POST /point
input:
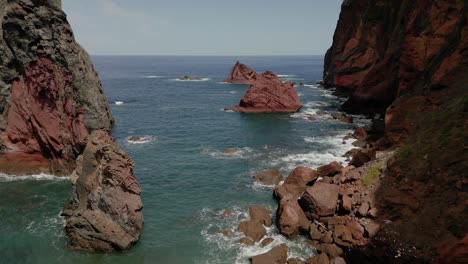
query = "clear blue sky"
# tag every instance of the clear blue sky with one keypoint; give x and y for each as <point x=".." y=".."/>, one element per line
<point x="203" y="27"/>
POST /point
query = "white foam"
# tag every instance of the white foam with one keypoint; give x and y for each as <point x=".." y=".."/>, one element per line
<point x="35" y="177"/>
<point x="285" y="75"/>
<point x="153" y="77"/>
<point x="311" y="85"/>
<point x="216" y="221"/>
<point x="119" y="102"/>
<point x="316" y="104"/>
<point x="306" y="113"/>
<point x="196" y="80"/>
<point x="142" y="140"/>
<point x="232" y="92"/>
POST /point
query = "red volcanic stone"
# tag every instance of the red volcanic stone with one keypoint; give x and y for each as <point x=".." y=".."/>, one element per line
<point x="320" y="199"/>
<point x="43" y="117"/>
<point x="377" y="59"/>
<point x="277" y="255"/>
<point x="360" y="134"/>
<point x="329" y="169"/>
<point x="268" y="94"/>
<point x="241" y="74"/>
<point x="291" y="219"/>
<point x="301" y="176"/>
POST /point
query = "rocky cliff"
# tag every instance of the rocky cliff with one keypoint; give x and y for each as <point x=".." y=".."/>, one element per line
<point x="50" y="94"/>
<point x="54" y="118"/>
<point x="384" y="49"/>
<point x="408" y="60"/>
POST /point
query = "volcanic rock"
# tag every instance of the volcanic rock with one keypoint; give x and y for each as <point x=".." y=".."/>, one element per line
<point x="241" y="74"/>
<point x="260" y="214"/>
<point x="330" y="169"/>
<point x="277" y="255"/>
<point x="318" y="259"/>
<point x="268" y="94"/>
<point x="301" y="176"/>
<point x="105" y="210"/>
<point x="291" y="219"/>
<point x="253" y="230"/>
<point x="320" y="199"/>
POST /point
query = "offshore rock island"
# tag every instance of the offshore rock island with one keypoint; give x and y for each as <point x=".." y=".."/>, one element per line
<point x="55" y="119"/>
<point x="266" y="94"/>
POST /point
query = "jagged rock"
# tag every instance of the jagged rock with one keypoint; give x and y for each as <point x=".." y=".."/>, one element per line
<point x="254" y="230"/>
<point x="346" y="203"/>
<point x="372" y="228"/>
<point x="363" y="209"/>
<point x="260" y="214"/>
<point x="284" y="189"/>
<point x="241" y="74"/>
<point x="320" y="199"/>
<point x="361" y="157"/>
<point x="105" y="210"/>
<point x="291" y="219"/>
<point x="268" y="94"/>
<point x="277" y="255"/>
<point x="329" y="169"/>
<point x="269" y="177"/>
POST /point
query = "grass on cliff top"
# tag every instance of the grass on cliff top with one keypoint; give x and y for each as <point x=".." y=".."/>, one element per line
<point x="372" y="173"/>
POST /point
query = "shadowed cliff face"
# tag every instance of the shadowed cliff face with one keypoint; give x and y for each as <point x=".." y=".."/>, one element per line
<point x="392" y="47"/>
<point x="50" y="94"/>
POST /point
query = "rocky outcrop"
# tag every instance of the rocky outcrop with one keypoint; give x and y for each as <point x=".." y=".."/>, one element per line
<point x="383" y="49"/>
<point x="241" y="74"/>
<point x="277" y="255"/>
<point x="268" y="94"/>
<point x="54" y="118"/>
<point x="105" y="210"/>
<point x="50" y="95"/>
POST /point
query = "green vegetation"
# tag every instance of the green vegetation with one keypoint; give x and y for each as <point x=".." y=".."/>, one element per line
<point x="372" y="174"/>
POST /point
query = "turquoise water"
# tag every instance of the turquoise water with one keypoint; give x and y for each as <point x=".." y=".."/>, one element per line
<point x="186" y="178"/>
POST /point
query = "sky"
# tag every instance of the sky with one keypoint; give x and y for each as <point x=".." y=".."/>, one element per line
<point x="203" y="27"/>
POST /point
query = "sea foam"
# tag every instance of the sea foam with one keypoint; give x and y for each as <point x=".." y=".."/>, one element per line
<point x="34" y="177"/>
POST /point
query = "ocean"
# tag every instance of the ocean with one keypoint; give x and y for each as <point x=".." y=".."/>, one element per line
<point x="187" y="179"/>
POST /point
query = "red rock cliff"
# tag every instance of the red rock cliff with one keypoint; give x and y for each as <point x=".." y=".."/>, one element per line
<point x="382" y="49"/>
<point x="50" y="95"/>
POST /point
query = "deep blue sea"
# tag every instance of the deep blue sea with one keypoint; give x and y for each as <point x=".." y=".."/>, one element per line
<point x="187" y="179"/>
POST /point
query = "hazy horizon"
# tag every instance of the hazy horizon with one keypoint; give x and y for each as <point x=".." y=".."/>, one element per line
<point x="204" y="28"/>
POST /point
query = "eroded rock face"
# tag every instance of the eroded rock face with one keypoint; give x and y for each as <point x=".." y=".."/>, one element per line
<point x="50" y="94"/>
<point x="393" y="45"/>
<point x="268" y="94"/>
<point x="105" y="210"/>
<point x="241" y="74"/>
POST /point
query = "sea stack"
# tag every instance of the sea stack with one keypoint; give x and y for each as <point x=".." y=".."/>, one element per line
<point x="53" y="112"/>
<point x="268" y="94"/>
<point x="241" y="74"/>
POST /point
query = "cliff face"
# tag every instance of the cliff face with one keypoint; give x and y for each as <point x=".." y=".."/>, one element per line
<point x="50" y="95"/>
<point x="54" y="118"/>
<point x="393" y="47"/>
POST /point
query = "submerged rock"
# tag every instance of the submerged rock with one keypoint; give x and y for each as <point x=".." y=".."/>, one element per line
<point x="269" y="177"/>
<point x="105" y="210"/>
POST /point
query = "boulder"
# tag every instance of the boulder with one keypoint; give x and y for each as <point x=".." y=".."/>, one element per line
<point x="329" y="169"/>
<point x="294" y="190"/>
<point x="267" y="241"/>
<point x="361" y="157"/>
<point x="277" y="255"/>
<point x="372" y="228"/>
<point x="247" y="241"/>
<point x="291" y="219"/>
<point x="318" y="259"/>
<point x="260" y="214"/>
<point x="268" y="94"/>
<point x="320" y="199"/>
<point x="269" y="177"/>
<point x="346" y="203"/>
<point x="338" y="260"/>
<point x="360" y="134"/>
<point x="295" y="261"/>
<point x="241" y="74"/>
<point x="356" y="230"/>
<point x="254" y="230"/>
<point x="363" y="209"/>
<point x="104" y="213"/>
<point x="301" y="176"/>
